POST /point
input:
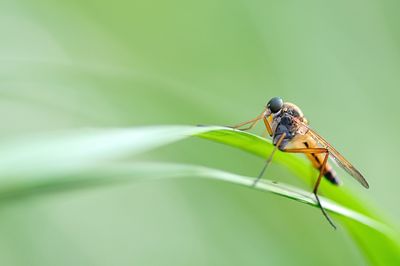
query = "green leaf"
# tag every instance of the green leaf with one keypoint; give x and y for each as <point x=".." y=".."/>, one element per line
<point x="380" y="249"/>
<point x="85" y="158"/>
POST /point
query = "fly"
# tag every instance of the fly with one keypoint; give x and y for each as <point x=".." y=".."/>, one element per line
<point x="290" y="132"/>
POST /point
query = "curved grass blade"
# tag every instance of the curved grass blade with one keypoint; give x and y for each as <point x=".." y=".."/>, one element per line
<point x="121" y="172"/>
<point x="380" y="249"/>
<point x="168" y="170"/>
<point x="76" y="153"/>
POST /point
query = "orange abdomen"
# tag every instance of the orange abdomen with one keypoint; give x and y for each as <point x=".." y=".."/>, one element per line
<point x="329" y="173"/>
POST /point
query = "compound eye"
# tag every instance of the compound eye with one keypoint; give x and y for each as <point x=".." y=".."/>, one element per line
<point x="275" y="104"/>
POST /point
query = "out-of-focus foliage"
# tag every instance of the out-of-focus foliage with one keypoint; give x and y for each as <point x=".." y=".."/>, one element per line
<point x="74" y="64"/>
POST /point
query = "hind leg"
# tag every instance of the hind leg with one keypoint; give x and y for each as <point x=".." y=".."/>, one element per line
<point x="322" y="169"/>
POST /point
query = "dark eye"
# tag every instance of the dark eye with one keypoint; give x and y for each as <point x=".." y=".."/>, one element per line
<point x="275" y="104"/>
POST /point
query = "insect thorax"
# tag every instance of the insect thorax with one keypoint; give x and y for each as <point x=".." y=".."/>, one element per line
<point x="286" y="122"/>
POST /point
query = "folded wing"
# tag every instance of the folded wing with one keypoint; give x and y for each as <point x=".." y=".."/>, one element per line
<point x="341" y="161"/>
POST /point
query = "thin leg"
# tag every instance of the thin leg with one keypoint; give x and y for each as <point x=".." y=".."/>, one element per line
<point x="269" y="159"/>
<point x="253" y="122"/>
<point x="317" y="183"/>
<point x="316" y="186"/>
<point x="307" y="150"/>
<point x="268" y="126"/>
<point x="251" y="125"/>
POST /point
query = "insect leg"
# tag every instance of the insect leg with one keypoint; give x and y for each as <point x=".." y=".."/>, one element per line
<point x="269" y="159"/>
<point x="268" y="126"/>
<point x="317" y="183"/>
<point x="253" y="122"/>
<point x="316" y="190"/>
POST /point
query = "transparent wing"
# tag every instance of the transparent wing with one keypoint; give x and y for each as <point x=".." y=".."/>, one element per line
<point x="342" y="162"/>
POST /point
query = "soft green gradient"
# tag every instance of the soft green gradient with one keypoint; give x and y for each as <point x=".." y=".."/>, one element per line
<point x="74" y="64"/>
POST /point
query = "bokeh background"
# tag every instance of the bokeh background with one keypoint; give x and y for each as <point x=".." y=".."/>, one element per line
<point x="78" y="64"/>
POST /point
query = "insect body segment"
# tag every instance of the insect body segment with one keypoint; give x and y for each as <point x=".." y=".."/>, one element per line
<point x="283" y="122"/>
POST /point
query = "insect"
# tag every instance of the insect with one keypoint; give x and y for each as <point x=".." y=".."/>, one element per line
<point x="290" y="132"/>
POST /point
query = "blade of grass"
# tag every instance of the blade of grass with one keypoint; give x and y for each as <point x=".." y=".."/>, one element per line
<point x="167" y="170"/>
<point x="31" y="160"/>
<point x="121" y="172"/>
<point x="380" y="249"/>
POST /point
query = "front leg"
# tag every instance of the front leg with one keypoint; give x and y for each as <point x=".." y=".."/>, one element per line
<point x="253" y="122"/>
<point x="267" y="162"/>
<point x="268" y="126"/>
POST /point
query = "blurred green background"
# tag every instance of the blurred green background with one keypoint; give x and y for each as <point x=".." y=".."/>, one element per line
<point x="77" y="64"/>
